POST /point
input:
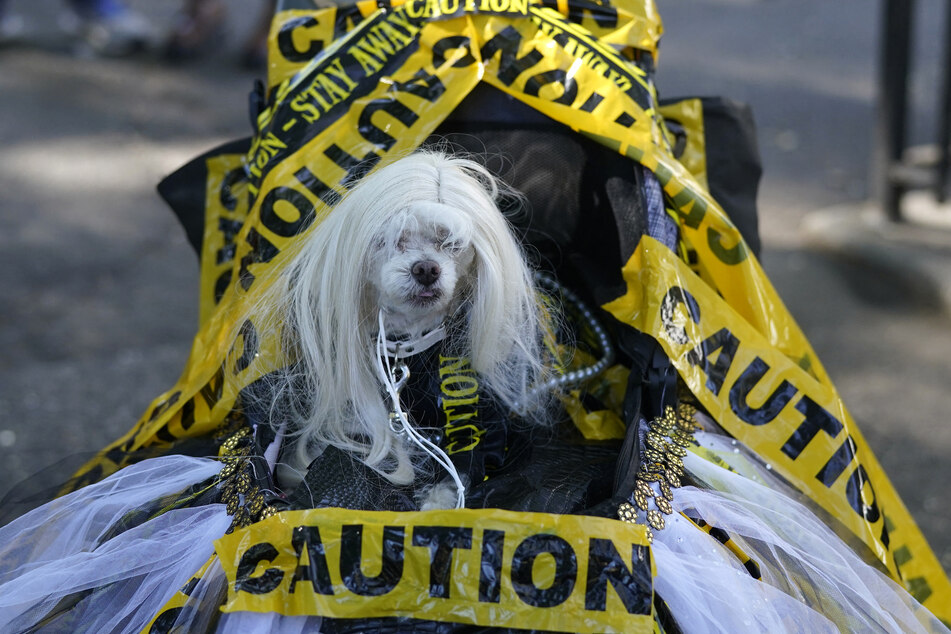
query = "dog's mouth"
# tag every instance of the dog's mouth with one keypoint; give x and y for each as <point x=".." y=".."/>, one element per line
<point x="427" y="296"/>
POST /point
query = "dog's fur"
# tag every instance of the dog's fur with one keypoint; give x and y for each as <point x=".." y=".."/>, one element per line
<point x="422" y="239"/>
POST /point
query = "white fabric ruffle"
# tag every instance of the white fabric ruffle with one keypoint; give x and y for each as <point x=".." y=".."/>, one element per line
<point x="61" y="554"/>
<point x="811" y="580"/>
<point x="55" y="555"/>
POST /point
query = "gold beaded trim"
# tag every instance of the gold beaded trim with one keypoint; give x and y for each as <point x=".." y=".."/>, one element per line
<point x="667" y="441"/>
<point x="244" y="501"/>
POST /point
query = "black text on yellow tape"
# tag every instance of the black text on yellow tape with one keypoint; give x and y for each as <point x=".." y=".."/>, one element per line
<point x="550" y="63"/>
<point x="485" y="567"/>
<point x="459" y="400"/>
<point x="396" y="116"/>
<point x="226" y="209"/>
<point x="299" y="36"/>
<point x="326" y="90"/>
<point x="797" y="424"/>
<point x="446" y="9"/>
<point x="582" y="45"/>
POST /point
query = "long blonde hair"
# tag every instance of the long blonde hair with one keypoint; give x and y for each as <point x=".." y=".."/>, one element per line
<point x="322" y="307"/>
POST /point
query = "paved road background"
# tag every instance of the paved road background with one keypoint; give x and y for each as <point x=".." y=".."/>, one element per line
<point x="97" y="283"/>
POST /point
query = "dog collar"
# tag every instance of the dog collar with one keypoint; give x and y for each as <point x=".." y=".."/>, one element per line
<point x="403" y="348"/>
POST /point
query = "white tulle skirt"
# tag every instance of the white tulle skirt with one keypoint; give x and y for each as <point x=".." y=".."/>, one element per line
<point x="60" y="554"/>
<point x="811" y="580"/>
<point x="57" y="553"/>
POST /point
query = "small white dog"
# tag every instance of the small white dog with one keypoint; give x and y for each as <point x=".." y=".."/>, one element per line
<point x="418" y="246"/>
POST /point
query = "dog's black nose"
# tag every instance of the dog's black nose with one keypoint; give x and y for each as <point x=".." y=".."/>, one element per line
<point x="426" y="272"/>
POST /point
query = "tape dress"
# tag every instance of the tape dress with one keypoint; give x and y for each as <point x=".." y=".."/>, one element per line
<point x="709" y="478"/>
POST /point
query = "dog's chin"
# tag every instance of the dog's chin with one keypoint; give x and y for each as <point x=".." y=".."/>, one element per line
<point x="426" y="308"/>
<point x="426" y="298"/>
<point x="416" y="312"/>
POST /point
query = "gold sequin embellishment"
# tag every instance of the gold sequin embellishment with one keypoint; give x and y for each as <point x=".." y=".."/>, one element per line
<point x="667" y="441"/>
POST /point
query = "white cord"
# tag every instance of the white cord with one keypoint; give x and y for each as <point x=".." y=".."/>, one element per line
<point x="274" y="449"/>
<point x="386" y="372"/>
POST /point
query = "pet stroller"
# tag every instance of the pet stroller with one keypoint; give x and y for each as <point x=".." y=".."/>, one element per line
<point x="706" y="476"/>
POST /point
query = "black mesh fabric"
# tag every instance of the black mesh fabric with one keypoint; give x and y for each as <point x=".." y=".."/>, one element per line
<point x="337" y="479"/>
<point x="559" y="477"/>
<point x="581" y="196"/>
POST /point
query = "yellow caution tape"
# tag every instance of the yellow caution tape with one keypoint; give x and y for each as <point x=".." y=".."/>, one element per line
<point x="382" y="82"/>
<point x="298" y="36"/>
<point x="562" y="573"/>
<point x="794" y="422"/>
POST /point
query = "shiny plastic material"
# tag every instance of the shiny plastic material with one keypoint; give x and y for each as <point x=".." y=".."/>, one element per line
<point x="297" y="36"/>
<point x="795" y="423"/>
<point x="559" y="573"/>
<point x="380" y="86"/>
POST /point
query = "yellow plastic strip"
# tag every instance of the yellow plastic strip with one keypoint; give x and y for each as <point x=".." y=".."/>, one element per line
<point x="379" y="91"/>
<point x="560" y="573"/>
<point x="795" y="423"/>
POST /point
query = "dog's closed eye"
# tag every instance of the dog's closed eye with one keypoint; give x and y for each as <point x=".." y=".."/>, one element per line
<point x="446" y="242"/>
<point x="452" y="246"/>
<point x="401" y="242"/>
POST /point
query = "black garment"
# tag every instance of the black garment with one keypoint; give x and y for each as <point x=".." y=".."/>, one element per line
<point x="446" y="403"/>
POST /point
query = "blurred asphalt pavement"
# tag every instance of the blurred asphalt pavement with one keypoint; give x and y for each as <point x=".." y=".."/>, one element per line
<point x="98" y="286"/>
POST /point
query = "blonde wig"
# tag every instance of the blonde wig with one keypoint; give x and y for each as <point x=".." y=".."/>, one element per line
<point x="324" y="306"/>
